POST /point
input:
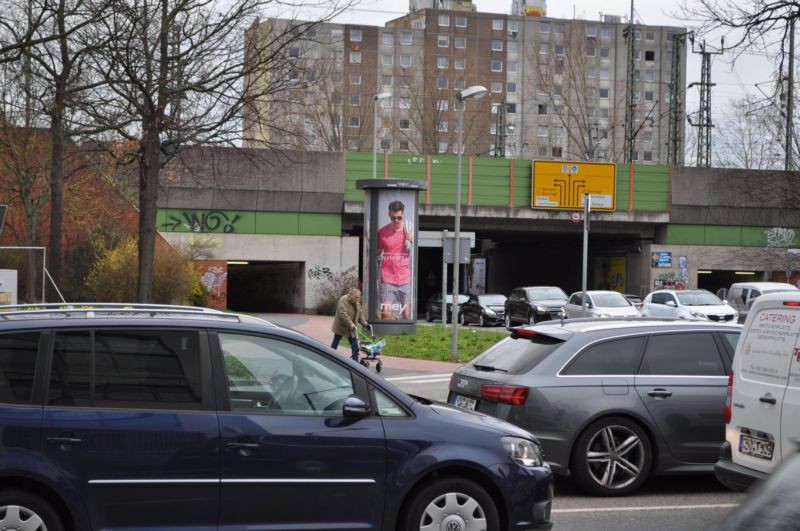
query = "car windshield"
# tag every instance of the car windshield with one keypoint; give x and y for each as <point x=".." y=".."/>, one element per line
<point x="461" y="298"/>
<point x="492" y="299"/>
<point x="546" y="293"/>
<point x="517" y="356"/>
<point x="698" y="298"/>
<point x="610" y="300"/>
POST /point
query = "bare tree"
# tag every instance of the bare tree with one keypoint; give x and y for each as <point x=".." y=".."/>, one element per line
<point x="750" y="136"/>
<point x="177" y="75"/>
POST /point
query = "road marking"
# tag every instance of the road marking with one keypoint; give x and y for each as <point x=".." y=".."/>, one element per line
<point x="647" y="508"/>
<point x="439" y="376"/>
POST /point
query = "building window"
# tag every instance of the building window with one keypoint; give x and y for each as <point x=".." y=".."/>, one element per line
<point x="443" y="127"/>
<point x="513" y="46"/>
<point x="459" y="84"/>
<point x="670" y="35"/>
<point x="355" y="57"/>
<point x="443" y="41"/>
<point x="558" y="90"/>
<point x="635" y="155"/>
<point x="355" y="79"/>
<point x="355" y="100"/>
<point x="403" y="145"/>
<point x="443" y="147"/>
<point x="603" y="73"/>
<point x="513" y="26"/>
<point x="496" y="86"/>
<point x="460" y="41"/>
<point x="605" y="51"/>
<point x="338" y="56"/>
<point x="602" y="112"/>
<point x="668" y="56"/>
<point x="511" y="67"/>
<point x="497" y="45"/>
<point x="603" y="92"/>
<point x="493" y="128"/>
<point x="387" y="59"/>
<point x="649" y="35"/>
<point x="544" y="27"/>
<point x="337" y="34"/>
<point x="442" y="105"/>
<point x="405" y="82"/>
<point x="352" y="144"/>
<point x="559" y="49"/>
<point x="542" y="131"/>
<point x="404" y="103"/>
<point x="497" y="24"/>
<point x="386" y="80"/>
<point x="590" y="51"/>
<point x="649" y="55"/>
<point x="511" y="87"/>
<point x="355" y="121"/>
<point x="387" y="38"/>
<point x="605" y="33"/>
<point x="559" y="29"/>
<point x="460" y="64"/>
<point x="591" y="30"/>
<point x="511" y="108"/>
<point x="355" y="35"/>
<point x="544" y="48"/>
<point x="542" y="109"/>
<point x="386" y="145"/>
<point x="461" y="21"/>
<point x="444" y="20"/>
<point x="590" y="72"/>
<point x="637" y="34"/>
<point x="637" y="54"/>
<point x="636" y="75"/>
<point x="406" y="38"/>
<point x="648" y="156"/>
<point x="497" y="65"/>
<point x="441" y="82"/>
<point x="405" y="60"/>
<point x="558" y="152"/>
<point x="404" y="124"/>
<point x="648" y="95"/>
<point x="542" y="151"/>
<point x="648" y="136"/>
<point x="441" y="62"/>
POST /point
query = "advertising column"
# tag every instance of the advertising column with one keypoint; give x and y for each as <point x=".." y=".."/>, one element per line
<point x="390" y="253"/>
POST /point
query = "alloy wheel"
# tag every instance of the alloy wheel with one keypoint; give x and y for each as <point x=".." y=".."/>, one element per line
<point x="615" y="457"/>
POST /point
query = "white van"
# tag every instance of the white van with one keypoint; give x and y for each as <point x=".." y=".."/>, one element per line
<point x="741" y="295"/>
<point x="762" y="410"/>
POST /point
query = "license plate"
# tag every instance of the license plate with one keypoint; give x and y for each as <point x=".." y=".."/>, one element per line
<point x="756" y="447"/>
<point x="465" y="402"/>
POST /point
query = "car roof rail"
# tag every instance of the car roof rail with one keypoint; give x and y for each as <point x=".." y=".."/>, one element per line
<point x="109" y="309"/>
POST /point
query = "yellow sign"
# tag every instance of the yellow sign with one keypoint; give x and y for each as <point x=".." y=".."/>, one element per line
<point x="562" y="185"/>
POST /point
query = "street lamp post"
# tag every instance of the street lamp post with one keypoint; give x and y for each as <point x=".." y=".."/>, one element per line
<point x="375" y="99"/>
<point x="474" y="92"/>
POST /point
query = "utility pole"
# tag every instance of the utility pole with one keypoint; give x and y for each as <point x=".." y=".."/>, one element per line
<point x="500" y="132"/>
<point x="674" y="149"/>
<point x="630" y="103"/>
<point x="789" y="166"/>
<point x="704" y="123"/>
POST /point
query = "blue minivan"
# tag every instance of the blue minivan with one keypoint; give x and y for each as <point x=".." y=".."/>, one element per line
<point x="145" y="417"/>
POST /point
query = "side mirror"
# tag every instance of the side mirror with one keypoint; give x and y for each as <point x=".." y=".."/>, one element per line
<point x="355" y="408"/>
<point x="671" y="304"/>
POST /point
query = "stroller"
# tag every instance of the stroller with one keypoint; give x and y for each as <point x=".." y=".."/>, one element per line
<point x="370" y="347"/>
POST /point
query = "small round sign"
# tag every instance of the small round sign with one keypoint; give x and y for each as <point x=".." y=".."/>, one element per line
<point x="576" y="217"/>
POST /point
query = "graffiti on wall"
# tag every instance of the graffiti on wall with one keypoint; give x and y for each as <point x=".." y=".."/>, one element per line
<point x="320" y="273"/>
<point x="201" y="221"/>
<point x="779" y="237"/>
<point x="214" y="276"/>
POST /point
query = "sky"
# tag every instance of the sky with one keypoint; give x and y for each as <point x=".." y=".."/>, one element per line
<point x="733" y="81"/>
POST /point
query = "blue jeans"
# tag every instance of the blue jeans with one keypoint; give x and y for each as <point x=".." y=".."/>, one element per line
<point x="353" y="345"/>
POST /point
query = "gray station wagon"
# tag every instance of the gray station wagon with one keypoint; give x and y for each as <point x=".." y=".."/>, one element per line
<point x="612" y="401"/>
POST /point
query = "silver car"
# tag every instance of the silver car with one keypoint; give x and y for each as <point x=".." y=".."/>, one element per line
<point x="612" y="401"/>
<point x="600" y="303"/>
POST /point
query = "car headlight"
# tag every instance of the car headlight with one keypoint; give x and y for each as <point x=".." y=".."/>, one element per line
<point x="523" y="451"/>
<point x="541" y="309"/>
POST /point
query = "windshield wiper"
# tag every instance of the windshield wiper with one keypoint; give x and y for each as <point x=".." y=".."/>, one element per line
<point x="488" y="368"/>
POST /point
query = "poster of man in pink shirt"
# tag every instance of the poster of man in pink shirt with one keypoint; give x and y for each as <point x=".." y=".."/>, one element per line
<point x="395" y="243"/>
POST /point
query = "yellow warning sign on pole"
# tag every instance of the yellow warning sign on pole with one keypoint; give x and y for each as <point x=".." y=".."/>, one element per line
<point x="562" y="185"/>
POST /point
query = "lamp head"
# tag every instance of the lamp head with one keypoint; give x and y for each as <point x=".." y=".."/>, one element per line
<point x="475" y="92"/>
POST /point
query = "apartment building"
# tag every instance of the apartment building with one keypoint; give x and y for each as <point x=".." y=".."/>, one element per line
<point x="557" y="88"/>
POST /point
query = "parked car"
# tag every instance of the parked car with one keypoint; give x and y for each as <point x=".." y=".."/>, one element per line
<point x="529" y="305"/>
<point x="612" y="401"/>
<point x="634" y="299"/>
<point x="600" y="303"/>
<point x="488" y="309"/>
<point x="113" y="413"/>
<point x="433" y="308"/>
<point x="742" y="294"/>
<point x="687" y="304"/>
<point x="763" y="406"/>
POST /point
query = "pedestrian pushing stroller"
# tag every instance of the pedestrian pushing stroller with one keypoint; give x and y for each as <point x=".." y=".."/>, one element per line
<point x="371" y="348"/>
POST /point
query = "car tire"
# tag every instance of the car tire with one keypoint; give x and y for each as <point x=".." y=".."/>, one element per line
<point x="451" y="503"/>
<point x="21" y="509"/>
<point x="508" y="322"/>
<point x="612" y="457"/>
<point x="428" y="316"/>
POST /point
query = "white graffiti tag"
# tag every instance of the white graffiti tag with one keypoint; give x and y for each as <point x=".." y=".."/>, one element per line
<point x="779" y="237"/>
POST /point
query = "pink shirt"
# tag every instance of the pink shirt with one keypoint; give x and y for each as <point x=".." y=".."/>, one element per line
<point x="395" y="265"/>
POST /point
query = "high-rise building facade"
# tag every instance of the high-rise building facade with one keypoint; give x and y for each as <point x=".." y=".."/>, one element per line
<point x="557" y="88"/>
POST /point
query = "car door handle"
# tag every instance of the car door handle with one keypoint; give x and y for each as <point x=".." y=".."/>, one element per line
<point x="63" y="441"/>
<point x="243" y="446"/>
<point x="659" y="393"/>
<point x="767" y="399"/>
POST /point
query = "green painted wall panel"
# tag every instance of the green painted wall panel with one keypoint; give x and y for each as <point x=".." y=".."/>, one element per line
<point x="490" y="180"/>
<point x="523" y="175"/>
<point x="194" y="220"/>
<point x="320" y="224"/>
<point x="753" y="236"/>
<point x="277" y="223"/>
<point x="723" y="235"/>
<point x="685" y="234"/>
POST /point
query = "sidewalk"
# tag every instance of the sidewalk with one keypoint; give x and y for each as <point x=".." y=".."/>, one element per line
<point x="319" y="327"/>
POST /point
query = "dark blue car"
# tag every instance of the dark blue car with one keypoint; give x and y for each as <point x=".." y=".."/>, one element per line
<point x="173" y="418"/>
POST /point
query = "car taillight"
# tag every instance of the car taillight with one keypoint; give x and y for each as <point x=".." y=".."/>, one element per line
<point x="506" y="394"/>
<point x="728" y="398"/>
<point x="791" y="303"/>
